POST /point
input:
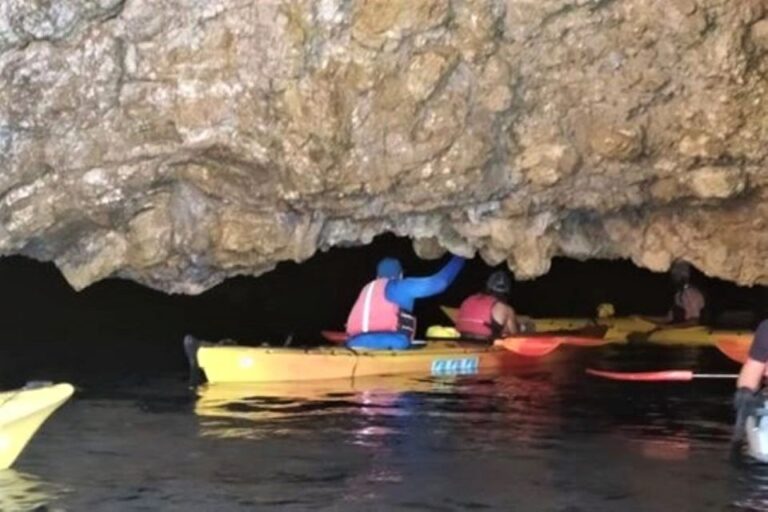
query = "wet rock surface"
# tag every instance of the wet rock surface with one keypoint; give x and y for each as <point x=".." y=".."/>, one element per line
<point x="178" y="142"/>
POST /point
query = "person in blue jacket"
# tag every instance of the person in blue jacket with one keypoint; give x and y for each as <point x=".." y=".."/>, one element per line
<point x="382" y="317"/>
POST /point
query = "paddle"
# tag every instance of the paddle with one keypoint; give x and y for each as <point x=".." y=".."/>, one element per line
<point x="733" y="349"/>
<point x="538" y="346"/>
<point x="337" y="337"/>
<point x="451" y="313"/>
<point x="659" y="376"/>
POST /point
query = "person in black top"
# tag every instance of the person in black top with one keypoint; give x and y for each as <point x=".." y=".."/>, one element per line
<point x="748" y="396"/>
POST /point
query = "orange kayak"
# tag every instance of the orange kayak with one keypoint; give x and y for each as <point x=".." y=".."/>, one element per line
<point x="231" y="363"/>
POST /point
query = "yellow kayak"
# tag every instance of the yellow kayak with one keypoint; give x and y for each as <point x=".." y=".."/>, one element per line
<point x="22" y="412"/>
<point x="233" y="363"/>
<point x="623" y="329"/>
<point x="693" y="336"/>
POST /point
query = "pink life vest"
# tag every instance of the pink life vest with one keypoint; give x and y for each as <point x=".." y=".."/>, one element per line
<point x="372" y="311"/>
<point x="476" y="315"/>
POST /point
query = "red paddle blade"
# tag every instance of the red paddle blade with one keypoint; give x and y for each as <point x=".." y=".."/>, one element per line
<point x="538" y="345"/>
<point x="660" y="376"/>
<point x="530" y="347"/>
<point x="736" y="348"/>
<point x="338" y="337"/>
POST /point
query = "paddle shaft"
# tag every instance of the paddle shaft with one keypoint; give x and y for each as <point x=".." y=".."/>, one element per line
<point x="659" y="376"/>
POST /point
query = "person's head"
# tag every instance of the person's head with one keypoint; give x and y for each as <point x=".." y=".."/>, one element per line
<point x="389" y="268"/>
<point x="499" y="284"/>
<point x="680" y="272"/>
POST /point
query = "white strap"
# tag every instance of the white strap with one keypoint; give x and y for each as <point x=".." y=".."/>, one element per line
<point x="367" y="306"/>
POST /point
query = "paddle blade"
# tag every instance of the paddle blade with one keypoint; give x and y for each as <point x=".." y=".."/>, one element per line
<point x="735" y="348"/>
<point x="528" y="346"/>
<point x="338" y="337"/>
<point x="451" y="313"/>
<point x="660" y="376"/>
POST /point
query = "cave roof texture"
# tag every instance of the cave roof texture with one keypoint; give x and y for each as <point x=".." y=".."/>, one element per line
<point x="180" y="142"/>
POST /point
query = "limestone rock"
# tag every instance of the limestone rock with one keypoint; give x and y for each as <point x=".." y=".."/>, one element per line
<point x="546" y="163"/>
<point x="716" y="182"/>
<point x="759" y="34"/>
<point x="180" y="142"/>
<point x="616" y="142"/>
<point x="428" y="248"/>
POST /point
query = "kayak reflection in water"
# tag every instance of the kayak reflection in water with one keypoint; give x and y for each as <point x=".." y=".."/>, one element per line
<point x="382" y="317"/>
<point x="487" y="315"/>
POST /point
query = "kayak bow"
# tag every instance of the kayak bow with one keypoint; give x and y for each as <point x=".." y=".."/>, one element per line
<point x="22" y="412"/>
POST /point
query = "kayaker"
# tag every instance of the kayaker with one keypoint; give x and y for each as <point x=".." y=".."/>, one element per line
<point x="748" y="396"/>
<point x="487" y="315"/>
<point x="688" y="303"/>
<point x="382" y="317"/>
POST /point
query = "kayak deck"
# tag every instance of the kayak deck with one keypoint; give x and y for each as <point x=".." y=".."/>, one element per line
<point x="22" y="412"/>
<point x="263" y="364"/>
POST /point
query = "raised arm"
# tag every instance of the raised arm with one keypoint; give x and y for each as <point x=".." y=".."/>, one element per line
<point x="404" y="291"/>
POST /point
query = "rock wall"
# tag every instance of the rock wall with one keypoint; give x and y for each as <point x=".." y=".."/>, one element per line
<point x="178" y="142"/>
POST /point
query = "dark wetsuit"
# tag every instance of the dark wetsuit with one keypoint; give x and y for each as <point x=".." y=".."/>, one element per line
<point x="759" y="348"/>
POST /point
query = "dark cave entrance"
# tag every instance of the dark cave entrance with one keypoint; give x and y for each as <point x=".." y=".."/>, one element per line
<point x="120" y="324"/>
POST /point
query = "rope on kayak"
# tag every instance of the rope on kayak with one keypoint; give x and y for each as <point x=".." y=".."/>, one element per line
<point x="357" y="360"/>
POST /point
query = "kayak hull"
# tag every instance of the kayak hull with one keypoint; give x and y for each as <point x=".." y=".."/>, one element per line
<point x="22" y="412"/>
<point x="260" y="364"/>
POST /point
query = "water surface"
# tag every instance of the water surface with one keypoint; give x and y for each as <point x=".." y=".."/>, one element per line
<point x="543" y="438"/>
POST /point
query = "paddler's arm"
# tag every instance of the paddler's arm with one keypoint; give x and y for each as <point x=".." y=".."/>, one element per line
<point x="753" y="370"/>
<point x="404" y="291"/>
<point x="505" y="317"/>
<point x="751" y="375"/>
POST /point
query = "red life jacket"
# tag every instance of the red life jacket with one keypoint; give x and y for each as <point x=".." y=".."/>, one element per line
<point x="373" y="312"/>
<point x="476" y="315"/>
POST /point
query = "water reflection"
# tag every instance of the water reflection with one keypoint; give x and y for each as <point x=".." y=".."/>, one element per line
<point x="23" y="491"/>
<point x="375" y="406"/>
<point x="546" y="439"/>
<point x="256" y="410"/>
